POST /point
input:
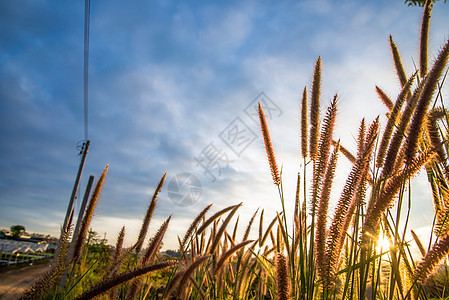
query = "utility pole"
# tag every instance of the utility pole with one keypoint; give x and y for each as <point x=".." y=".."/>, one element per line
<point x="69" y="213"/>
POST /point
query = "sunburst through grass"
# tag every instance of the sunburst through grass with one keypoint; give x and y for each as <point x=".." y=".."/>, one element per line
<point x="383" y="243"/>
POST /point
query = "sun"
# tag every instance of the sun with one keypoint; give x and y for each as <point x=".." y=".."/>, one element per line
<point x="383" y="243"/>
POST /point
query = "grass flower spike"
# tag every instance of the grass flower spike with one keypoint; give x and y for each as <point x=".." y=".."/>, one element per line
<point x="269" y="148"/>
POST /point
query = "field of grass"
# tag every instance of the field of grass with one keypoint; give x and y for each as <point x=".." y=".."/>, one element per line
<point x="324" y="254"/>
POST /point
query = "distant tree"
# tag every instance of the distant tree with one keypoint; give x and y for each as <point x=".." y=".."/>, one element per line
<point x="97" y="248"/>
<point x="419" y="2"/>
<point x="17" y="231"/>
<point x="93" y="238"/>
<point x="173" y="253"/>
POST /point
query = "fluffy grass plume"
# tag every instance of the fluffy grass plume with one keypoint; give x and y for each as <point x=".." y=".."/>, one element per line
<point x="153" y="246"/>
<point x="396" y="142"/>
<point x="424" y="40"/>
<point x="304" y="144"/>
<point x="116" y="262"/>
<point x="315" y="109"/>
<point x="338" y="228"/>
<point x="418" y="243"/>
<point x="297" y="196"/>
<point x="223" y="228"/>
<point x="194" y="225"/>
<point x="434" y="133"/>
<point x="248" y="228"/>
<point x="148" y="215"/>
<point x="104" y="286"/>
<point x="344" y="151"/>
<point x="269" y="148"/>
<point x="424" y="101"/>
<point x="214" y="217"/>
<point x="395" y="112"/>
<point x="325" y="143"/>
<point x="397" y="62"/>
<point x="188" y="272"/>
<point x="88" y="215"/>
<point x="320" y="237"/>
<point x="391" y="189"/>
<point x="384" y="97"/>
<point x="171" y="285"/>
<point x="282" y="281"/>
<point x="432" y="258"/>
<point x="148" y="256"/>
<point x="225" y="256"/>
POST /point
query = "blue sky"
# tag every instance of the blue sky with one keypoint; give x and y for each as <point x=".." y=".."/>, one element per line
<point x="167" y="79"/>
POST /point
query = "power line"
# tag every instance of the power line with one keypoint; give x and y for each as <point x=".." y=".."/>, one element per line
<point x="86" y="68"/>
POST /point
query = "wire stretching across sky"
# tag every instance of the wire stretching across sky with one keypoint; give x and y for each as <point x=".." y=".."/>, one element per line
<point x="86" y="69"/>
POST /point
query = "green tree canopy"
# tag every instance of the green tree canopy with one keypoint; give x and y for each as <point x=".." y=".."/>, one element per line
<point x="17" y="230"/>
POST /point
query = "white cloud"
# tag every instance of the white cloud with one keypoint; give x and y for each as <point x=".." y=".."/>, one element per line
<point x="225" y="29"/>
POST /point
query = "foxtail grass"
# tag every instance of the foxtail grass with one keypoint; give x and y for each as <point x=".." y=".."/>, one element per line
<point x="432" y="258"/>
<point x="188" y="272"/>
<point x="88" y="215"/>
<point x="319" y="167"/>
<point x="418" y="243"/>
<point x="434" y="133"/>
<point x="345" y="152"/>
<point x="148" y="257"/>
<point x="214" y="217"/>
<point x="225" y="256"/>
<point x="394" y="114"/>
<point x="392" y="156"/>
<point x="194" y="225"/>
<point x="397" y="63"/>
<point x="269" y="148"/>
<point x="385" y="99"/>
<point x="315" y="110"/>
<point x="424" y="40"/>
<point x="116" y="262"/>
<point x="424" y="101"/>
<point x="148" y="215"/>
<point x="222" y="229"/>
<point x="392" y="187"/>
<point x="322" y="213"/>
<point x="283" y="291"/>
<point x="304" y="124"/>
<point x="104" y="286"/>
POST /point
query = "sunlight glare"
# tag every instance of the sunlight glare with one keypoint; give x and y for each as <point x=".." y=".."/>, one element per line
<point x="383" y="244"/>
